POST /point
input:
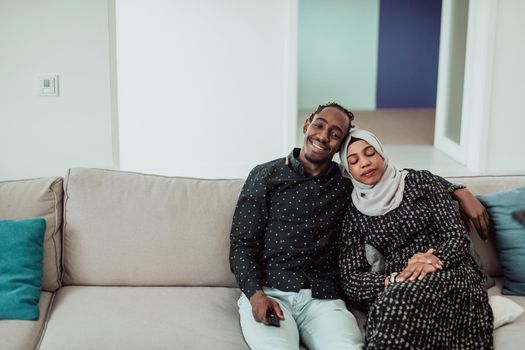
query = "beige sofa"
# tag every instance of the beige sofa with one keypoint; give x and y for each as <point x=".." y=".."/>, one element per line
<point x="137" y="261"/>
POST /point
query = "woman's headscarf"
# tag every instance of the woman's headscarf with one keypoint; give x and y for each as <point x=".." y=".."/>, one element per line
<point x="384" y="196"/>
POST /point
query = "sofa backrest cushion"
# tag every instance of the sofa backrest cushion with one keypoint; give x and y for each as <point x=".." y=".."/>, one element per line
<point x="480" y="185"/>
<point x="131" y="229"/>
<point x="42" y="197"/>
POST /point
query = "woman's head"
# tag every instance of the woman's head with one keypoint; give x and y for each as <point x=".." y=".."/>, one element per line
<point x="363" y="158"/>
<point x="365" y="163"/>
<point x="378" y="186"/>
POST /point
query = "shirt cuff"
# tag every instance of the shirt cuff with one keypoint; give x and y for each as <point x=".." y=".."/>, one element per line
<point x="250" y="287"/>
<point x="455" y="186"/>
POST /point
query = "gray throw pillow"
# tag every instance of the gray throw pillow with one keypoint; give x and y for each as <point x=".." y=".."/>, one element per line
<point x="375" y="259"/>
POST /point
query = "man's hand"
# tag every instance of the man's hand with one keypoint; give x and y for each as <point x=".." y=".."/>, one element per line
<point x="261" y="304"/>
<point x="416" y="270"/>
<point x="426" y="258"/>
<point x="472" y="211"/>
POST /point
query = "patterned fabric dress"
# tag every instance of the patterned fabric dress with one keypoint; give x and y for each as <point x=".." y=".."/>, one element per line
<point x="449" y="308"/>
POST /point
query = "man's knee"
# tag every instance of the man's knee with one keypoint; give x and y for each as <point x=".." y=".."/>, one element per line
<point x="336" y="328"/>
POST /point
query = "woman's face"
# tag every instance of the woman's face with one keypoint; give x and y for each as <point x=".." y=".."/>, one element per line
<point x="365" y="164"/>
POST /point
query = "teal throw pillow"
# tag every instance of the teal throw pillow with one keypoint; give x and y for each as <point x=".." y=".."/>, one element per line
<point x="509" y="236"/>
<point x="21" y="257"/>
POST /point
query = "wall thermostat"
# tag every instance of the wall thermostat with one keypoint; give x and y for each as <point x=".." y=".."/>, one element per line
<point x="48" y="85"/>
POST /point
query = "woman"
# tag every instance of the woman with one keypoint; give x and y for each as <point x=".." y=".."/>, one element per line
<point x="430" y="294"/>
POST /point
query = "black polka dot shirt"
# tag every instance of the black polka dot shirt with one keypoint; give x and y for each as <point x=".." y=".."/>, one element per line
<point x="285" y="228"/>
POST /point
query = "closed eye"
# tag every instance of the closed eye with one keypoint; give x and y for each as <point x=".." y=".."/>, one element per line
<point x="370" y="151"/>
<point x="352" y="160"/>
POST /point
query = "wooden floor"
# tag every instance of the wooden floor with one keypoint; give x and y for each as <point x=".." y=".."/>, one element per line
<point x="392" y="126"/>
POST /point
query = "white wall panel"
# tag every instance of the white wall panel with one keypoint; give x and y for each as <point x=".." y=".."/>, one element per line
<point x="43" y="136"/>
<point x="203" y="85"/>
<point x="506" y="139"/>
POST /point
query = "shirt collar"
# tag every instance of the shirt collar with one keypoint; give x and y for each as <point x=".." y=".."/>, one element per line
<point x="297" y="167"/>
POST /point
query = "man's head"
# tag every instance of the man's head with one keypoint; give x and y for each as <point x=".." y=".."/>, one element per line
<point x="324" y="131"/>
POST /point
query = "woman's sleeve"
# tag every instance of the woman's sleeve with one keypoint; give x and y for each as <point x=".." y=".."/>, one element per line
<point x="451" y="236"/>
<point x="358" y="282"/>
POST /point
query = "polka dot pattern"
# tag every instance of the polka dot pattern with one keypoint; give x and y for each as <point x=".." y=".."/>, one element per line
<point x="285" y="229"/>
<point x="449" y="308"/>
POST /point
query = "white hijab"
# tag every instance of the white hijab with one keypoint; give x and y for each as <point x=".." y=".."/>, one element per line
<point x="384" y="196"/>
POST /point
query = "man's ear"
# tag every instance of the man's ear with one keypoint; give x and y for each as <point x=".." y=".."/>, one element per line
<point x="307" y="123"/>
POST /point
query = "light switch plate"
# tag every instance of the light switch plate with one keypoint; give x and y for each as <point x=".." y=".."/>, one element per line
<point x="48" y="85"/>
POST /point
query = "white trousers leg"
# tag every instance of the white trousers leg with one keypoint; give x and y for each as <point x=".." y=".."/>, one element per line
<point x="318" y="323"/>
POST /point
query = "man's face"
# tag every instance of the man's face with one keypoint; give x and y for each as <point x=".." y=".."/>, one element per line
<point x="324" y="134"/>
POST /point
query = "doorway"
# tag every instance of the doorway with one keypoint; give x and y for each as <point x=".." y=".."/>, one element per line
<point x="380" y="59"/>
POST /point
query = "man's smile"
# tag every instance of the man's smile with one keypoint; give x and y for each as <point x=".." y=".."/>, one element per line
<point x="319" y="146"/>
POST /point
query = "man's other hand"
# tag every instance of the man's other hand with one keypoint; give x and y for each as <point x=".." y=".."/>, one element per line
<point x="472" y="211"/>
<point x="261" y="304"/>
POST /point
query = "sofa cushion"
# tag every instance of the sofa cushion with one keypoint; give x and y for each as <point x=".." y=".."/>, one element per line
<point x="480" y="185"/>
<point x="124" y="228"/>
<point x="509" y="336"/>
<point x="144" y="318"/>
<point x="24" y="335"/>
<point x="21" y="256"/>
<point x="505" y="310"/>
<point x="38" y="198"/>
<point x="509" y="236"/>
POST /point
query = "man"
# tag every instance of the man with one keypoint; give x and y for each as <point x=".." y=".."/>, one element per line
<point x="284" y="243"/>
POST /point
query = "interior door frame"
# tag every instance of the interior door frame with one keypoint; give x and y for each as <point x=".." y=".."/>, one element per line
<point x="477" y="84"/>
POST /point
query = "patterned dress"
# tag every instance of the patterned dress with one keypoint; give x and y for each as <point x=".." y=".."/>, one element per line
<point x="449" y="308"/>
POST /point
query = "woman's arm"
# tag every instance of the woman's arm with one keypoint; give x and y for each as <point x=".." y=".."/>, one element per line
<point x="453" y="242"/>
<point x="358" y="282"/>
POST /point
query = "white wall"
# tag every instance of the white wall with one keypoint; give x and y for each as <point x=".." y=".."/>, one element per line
<point x="506" y="132"/>
<point x="43" y="136"/>
<point x="204" y="85"/>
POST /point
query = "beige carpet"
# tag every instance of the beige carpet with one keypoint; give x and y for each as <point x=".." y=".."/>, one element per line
<point x="392" y="126"/>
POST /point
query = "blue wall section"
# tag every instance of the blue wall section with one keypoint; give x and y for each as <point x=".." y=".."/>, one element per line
<point x="408" y="53"/>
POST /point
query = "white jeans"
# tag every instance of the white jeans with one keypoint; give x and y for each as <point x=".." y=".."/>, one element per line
<point x="319" y="323"/>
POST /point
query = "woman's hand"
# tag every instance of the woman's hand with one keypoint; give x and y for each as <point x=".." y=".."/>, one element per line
<point x="428" y="258"/>
<point x="415" y="270"/>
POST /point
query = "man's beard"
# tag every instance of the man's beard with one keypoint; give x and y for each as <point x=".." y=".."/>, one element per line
<point x="317" y="161"/>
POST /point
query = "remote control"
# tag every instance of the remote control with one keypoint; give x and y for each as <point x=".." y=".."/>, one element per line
<point x="272" y="320"/>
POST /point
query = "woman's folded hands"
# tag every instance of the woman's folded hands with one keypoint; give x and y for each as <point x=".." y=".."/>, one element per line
<point x="420" y="265"/>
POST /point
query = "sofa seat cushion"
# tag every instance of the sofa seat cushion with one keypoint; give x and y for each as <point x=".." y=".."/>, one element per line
<point x="509" y="336"/>
<point x="24" y="335"/>
<point x="144" y="318"/>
